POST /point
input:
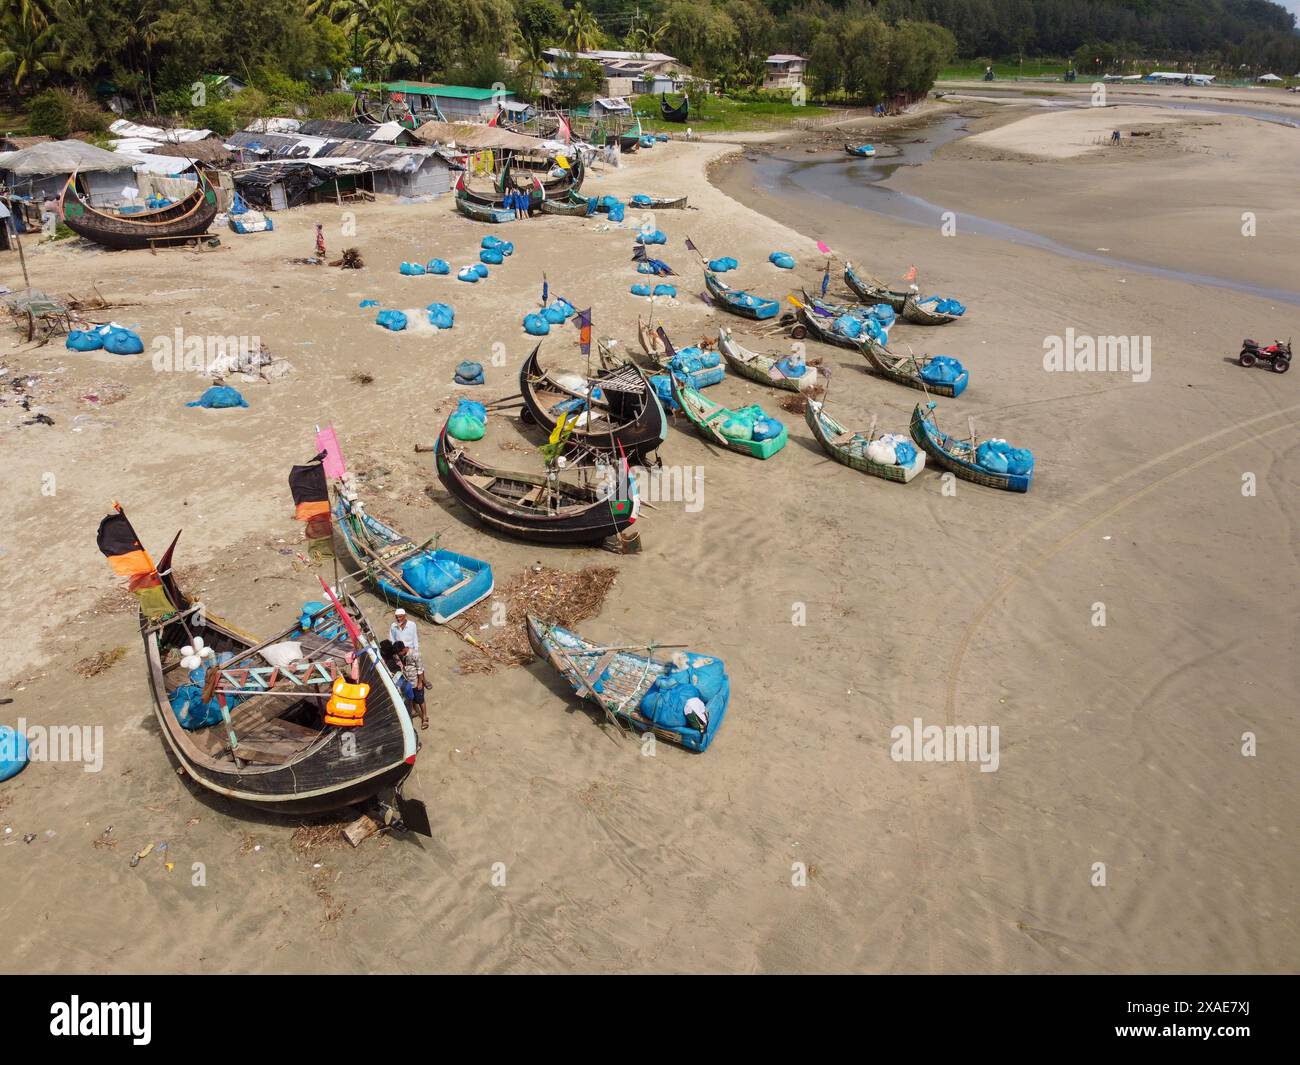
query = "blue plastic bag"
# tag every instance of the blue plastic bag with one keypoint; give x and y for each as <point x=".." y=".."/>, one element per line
<point x="782" y="259"/>
<point x="430" y="577"/>
<point x="13" y="752"/>
<point x="441" y="315"/>
<point x="492" y="256"/>
<point x="219" y="396"/>
<point x="437" y="266"/>
<point x="469" y="274"/>
<point x="640" y="290"/>
<point x="369" y="303"/>
<point x="83" y="340"/>
<point x="480" y="269"/>
<point x="411" y="269"/>
<point x="394" y="320"/>
<point x="536" y="325"/>
<point x="665" y="290"/>
<point x="122" y="342"/>
<point x="656" y="236"/>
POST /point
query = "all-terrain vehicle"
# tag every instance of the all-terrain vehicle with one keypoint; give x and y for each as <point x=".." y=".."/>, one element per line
<point x="1277" y="355"/>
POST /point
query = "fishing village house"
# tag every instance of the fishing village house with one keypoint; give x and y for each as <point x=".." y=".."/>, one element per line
<point x="784" y="71"/>
<point x="457" y="103"/>
<point x="630" y="73"/>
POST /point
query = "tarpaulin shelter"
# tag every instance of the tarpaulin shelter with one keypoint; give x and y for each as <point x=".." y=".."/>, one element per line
<point x="43" y="169"/>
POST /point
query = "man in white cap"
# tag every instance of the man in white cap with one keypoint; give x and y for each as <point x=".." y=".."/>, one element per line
<point x="403" y="630"/>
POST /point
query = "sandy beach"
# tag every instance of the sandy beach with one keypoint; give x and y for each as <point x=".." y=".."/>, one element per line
<point x="1123" y="829"/>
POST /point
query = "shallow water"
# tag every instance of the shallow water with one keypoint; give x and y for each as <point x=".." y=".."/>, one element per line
<point x="859" y="183"/>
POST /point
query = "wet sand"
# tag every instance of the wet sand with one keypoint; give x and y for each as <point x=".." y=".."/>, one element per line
<point x="1119" y="744"/>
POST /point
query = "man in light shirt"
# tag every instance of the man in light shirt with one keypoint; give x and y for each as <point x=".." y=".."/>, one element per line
<point x="403" y="630"/>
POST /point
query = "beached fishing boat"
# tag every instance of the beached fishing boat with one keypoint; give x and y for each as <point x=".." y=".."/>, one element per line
<point x="906" y="369"/>
<point x="571" y="206"/>
<point x="660" y="203"/>
<point x="187" y="217"/>
<point x="819" y="328"/>
<point x="653" y="343"/>
<point x="627" y="418"/>
<point x="542" y="507"/>
<point x="383" y="555"/>
<point x="708" y="418"/>
<point x="924" y="312"/>
<point x="741" y="303"/>
<point x="870" y="290"/>
<point x="617" y="679"/>
<point x="501" y="186"/>
<point x="764" y="369"/>
<point x="482" y="212"/>
<point x="862" y="151"/>
<point x="680" y="113"/>
<point x="958" y="456"/>
<point x="850" y="448"/>
<point x="270" y="745"/>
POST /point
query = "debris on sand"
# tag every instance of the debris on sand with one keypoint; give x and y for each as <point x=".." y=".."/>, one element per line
<point x="99" y="662"/>
<point x="351" y="260"/>
<point x="324" y="835"/>
<point x="798" y="403"/>
<point x="560" y="596"/>
<point x="360" y="377"/>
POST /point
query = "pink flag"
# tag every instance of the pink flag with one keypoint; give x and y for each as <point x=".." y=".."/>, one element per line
<point x="327" y="441"/>
<point x="563" y="133"/>
<point x="821" y="247"/>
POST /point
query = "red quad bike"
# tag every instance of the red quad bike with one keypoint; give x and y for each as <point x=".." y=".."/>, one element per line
<point x="1277" y="355"/>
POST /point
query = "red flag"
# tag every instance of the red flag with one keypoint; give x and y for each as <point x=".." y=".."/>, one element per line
<point x="584" y="330"/>
<point x="344" y="616"/>
<point x="910" y="275"/>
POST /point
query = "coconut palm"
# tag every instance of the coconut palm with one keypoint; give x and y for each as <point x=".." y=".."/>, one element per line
<point x="30" y="50"/>
<point x="387" y="45"/>
<point x="582" y="33"/>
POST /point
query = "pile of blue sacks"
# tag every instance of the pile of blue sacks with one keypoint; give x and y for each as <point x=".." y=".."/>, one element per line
<point x="441" y="315"/>
<point x="944" y="306"/>
<point x="437" y="266"/>
<point x="782" y="259"/>
<point x="469" y="373"/>
<point x="394" y="320"/>
<point x="112" y="338"/>
<point x="411" y="269"/>
<point x="655" y="236"/>
<point x="220" y="396"/>
<point x="490" y="243"/>
<point x="536" y="325"/>
<point x="472" y="274"/>
<point x="468" y="421"/>
<point x="665" y="290"/>
<point x="666" y="701"/>
<point x="721" y="266"/>
<point x="187" y="699"/>
<point x="997" y="456"/>
<point x="884" y="314"/>
<point x="697" y="367"/>
<point x="790" y="368"/>
<point x="640" y="289"/>
<point x="942" y="370"/>
<point x="558" y="311"/>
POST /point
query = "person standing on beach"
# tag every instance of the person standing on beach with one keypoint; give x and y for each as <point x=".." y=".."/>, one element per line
<point x="414" y="683"/>
<point x="320" y="242"/>
<point x="403" y="629"/>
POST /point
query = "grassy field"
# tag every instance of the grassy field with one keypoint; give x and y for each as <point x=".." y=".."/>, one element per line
<point x="1039" y="67"/>
<point x="718" y="113"/>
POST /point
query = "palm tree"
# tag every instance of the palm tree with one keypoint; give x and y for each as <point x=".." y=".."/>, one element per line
<point x="644" y="39"/>
<point x="531" y="57"/>
<point x="29" y="50"/>
<point x="582" y="34"/>
<point x="387" y="46"/>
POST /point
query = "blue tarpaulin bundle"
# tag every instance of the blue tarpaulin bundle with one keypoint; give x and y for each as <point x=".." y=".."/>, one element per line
<point x="469" y="274"/>
<point x="492" y="256"/>
<point x="468" y="421"/>
<point x="411" y="269"/>
<point x="121" y="341"/>
<point x="536" y="325"/>
<point x="220" y="396"/>
<point x="655" y="236"/>
<point x="616" y="213"/>
<point x="480" y="269"/>
<point x="441" y="315"/>
<point x="368" y="303"/>
<point x="942" y="370"/>
<point x="394" y="320"/>
<point x="665" y="290"/>
<point x="721" y="266"/>
<point x="469" y="373"/>
<point x="13" y="752"/>
<point x="640" y="290"/>
<point x="83" y="340"/>
<point x="782" y="259"/>
<point x="437" y="266"/>
<point x="997" y="456"/>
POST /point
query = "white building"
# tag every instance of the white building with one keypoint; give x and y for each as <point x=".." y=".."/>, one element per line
<point x="784" y="71"/>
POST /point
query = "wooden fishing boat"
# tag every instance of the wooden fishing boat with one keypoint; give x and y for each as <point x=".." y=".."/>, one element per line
<point x="482" y="212"/>
<point x="628" y="416"/>
<point x="906" y="369"/>
<point x="572" y="206"/>
<point x="271" y="747"/>
<point x="958" y="456"/>
<point x="623" y="678"/>
<point x="821" y="329"/>
<point x="761" y="368"/>
<point x="862" y="151"/>
<point x="850" y="448"/>
<point x="541" y="507"/>
<point x="661" y="203"/>
<point x="628" y="143"/>
<point x="495" y="197"/>
<point x="654" y="343"/>
<point x="187" y="217"/>
<point x="674" y="114"/>
<point x="379" y="553"/>
<point x="870" y="290"/>
<point x="916" y="312"/>
<point x="738" y="302"/>
<point x="707" y="418"/>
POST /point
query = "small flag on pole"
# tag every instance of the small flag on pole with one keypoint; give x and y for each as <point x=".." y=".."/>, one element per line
<point x="826" y="278"/>
<point x="690" y="246"/>
<point x="911" y="274"/>
<point x="821" y="247"/>
<point x="584" y="330"/>
<point x="546" y="290"/>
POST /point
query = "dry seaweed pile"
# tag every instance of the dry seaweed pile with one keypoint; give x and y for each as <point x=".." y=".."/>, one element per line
<point x="558" y="596"/>
<point x="798" y="403"/>
<point x="97" y="663"/>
